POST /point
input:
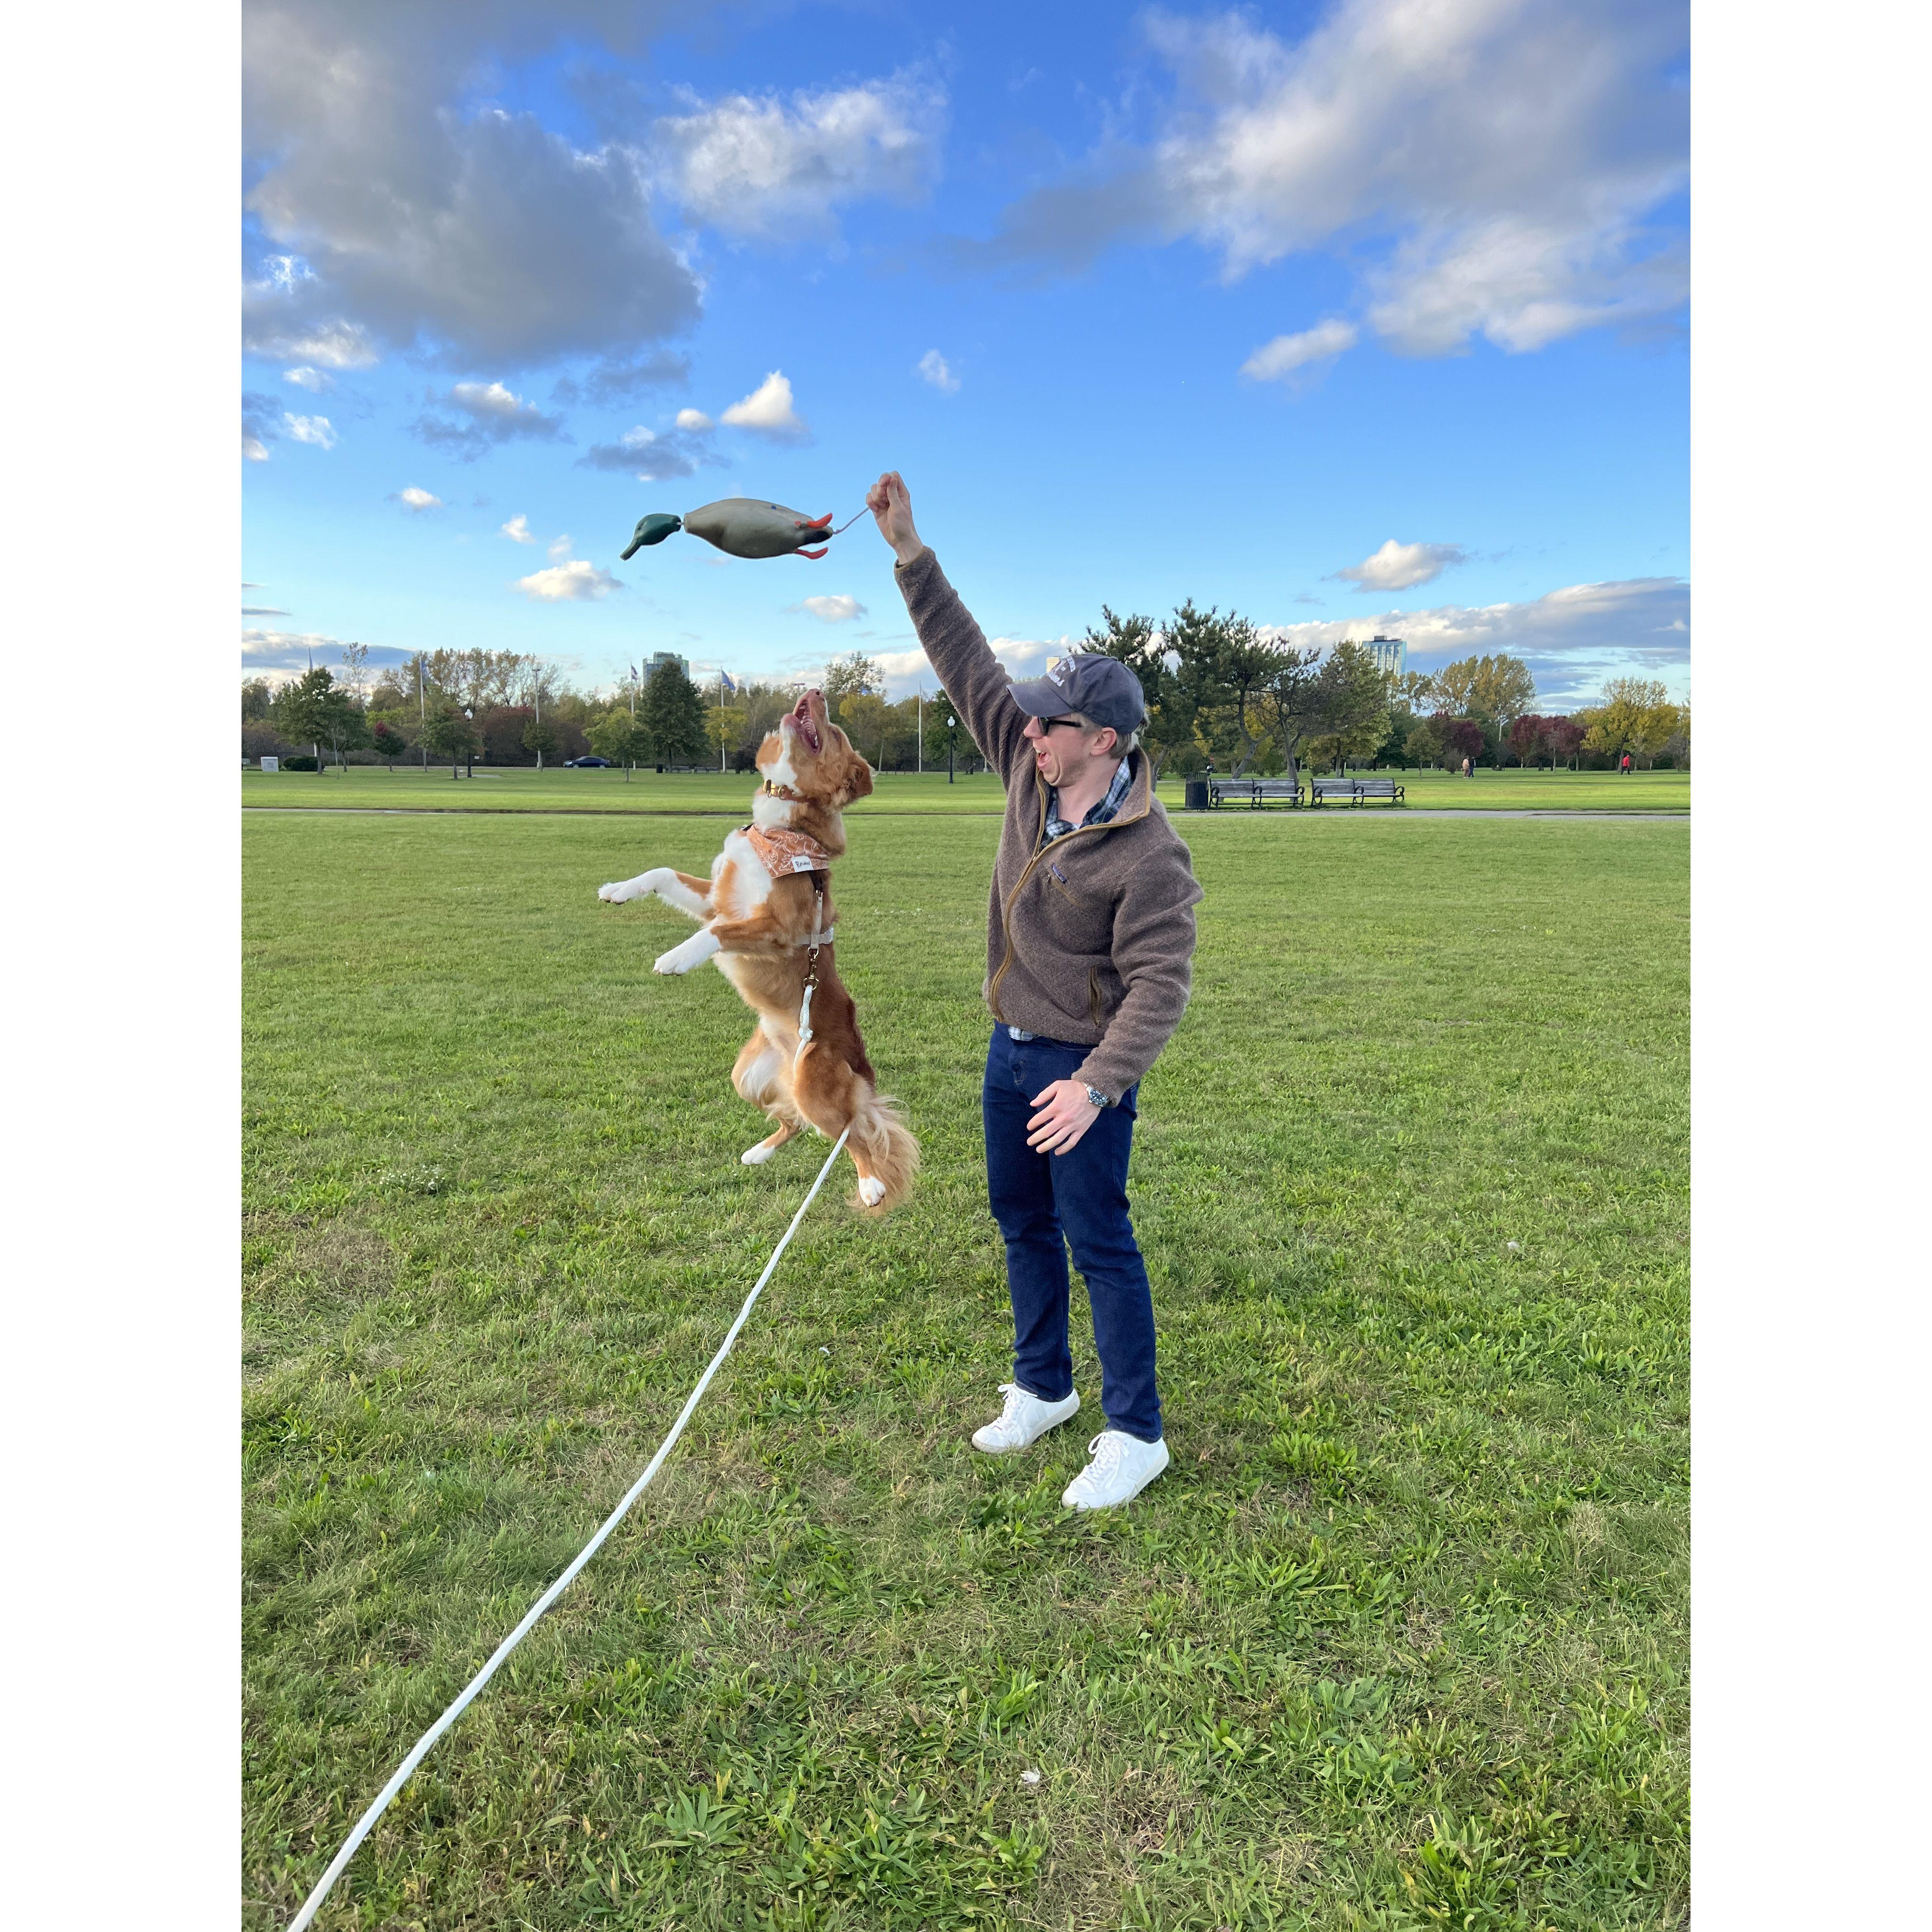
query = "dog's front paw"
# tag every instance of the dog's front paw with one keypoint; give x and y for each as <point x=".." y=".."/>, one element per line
<point x="757" y="1156"/>
<point x="641" y="887"/>
<point x="695" y="950"/>
<point x="871" y="1189"/>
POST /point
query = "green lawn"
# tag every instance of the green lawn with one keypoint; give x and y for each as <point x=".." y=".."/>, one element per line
<point x="510" y="790"/>
<point x="1399" y="1641"/>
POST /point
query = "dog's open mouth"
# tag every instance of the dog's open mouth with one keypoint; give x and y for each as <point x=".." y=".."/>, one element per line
<point x="802" y="718"/>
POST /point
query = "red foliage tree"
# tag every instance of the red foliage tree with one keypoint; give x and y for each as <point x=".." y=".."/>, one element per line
<point x="1462" y="738"/>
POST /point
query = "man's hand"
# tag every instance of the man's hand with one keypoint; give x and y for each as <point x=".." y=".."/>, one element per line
<point x="1065" y="1113"/>
<point x="891" y="507"/>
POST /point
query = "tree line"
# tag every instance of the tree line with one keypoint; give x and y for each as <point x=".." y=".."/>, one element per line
<point x="1221" y="692"/>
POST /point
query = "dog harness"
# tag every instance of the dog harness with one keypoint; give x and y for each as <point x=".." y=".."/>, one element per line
<point x="781" y="851"/>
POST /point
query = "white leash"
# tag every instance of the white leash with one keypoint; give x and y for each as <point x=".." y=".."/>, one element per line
<point x="563" y="1583"/>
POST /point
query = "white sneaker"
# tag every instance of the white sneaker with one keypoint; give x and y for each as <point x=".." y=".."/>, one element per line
<point x="1123" y="1466"/>
<point x="1025" y="1419"/>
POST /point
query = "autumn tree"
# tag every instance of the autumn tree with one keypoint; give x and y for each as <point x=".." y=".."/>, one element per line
<point x="855" y="675"/>
<point x="1496" y="691"/>
<point x="1635" y="715"/>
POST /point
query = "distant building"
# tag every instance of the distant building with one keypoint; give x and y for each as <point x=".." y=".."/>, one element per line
<point x="659" y="659"/>
<point x="1391" y="653"/>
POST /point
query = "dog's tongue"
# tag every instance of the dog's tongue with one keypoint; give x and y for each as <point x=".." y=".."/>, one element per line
<point x="802" y="717"/>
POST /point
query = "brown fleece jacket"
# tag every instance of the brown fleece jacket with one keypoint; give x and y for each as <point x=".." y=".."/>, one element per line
<point x="1090" y="939"/>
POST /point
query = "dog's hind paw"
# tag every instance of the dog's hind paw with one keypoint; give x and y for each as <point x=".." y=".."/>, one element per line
<point x="871" y="1189"/>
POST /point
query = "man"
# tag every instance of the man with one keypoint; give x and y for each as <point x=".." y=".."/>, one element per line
<point x="1090" y="937"/>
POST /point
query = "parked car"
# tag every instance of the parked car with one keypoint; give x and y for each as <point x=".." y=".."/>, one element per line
<point x="579" y="763"/>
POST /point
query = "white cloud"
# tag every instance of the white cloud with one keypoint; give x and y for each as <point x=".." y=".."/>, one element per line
<point x="839" y="610"/>
<point x="492" y="414"/>
<point x="259" y="427"/>
<point x="316" y="381"/>
<point x="518" y="529"/>
<point x="768" y="411"/>
<point x="694" y="420"/>
<point x="278" y="655"/>
<point x="652" y="458"/>
<point x="416" y="499"/>
<point x="336" y="345"/>
<point x="1401" y="566"/>
<point x="317" y="429"/>
<point x="776" y="169"/>
<point x="1287" y="353"/>
<point x="411" y="214"/>
<point x="1019" y="657"/>
<point x="934" y="368"/>
<point x="577" y="581"/>
<point x="559" y="549"/>
<point x="1572" y="639"/>
<point x="1503" y="168"/>
<point x="489" y="399"/>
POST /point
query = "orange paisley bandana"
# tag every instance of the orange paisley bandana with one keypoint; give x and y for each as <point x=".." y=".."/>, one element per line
<point x="784" y="850"/>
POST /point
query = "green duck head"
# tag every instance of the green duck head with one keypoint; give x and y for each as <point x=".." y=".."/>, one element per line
<point x="653" y="528"/>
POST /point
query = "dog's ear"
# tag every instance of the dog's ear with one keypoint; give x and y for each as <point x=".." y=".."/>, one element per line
<point x="857" y="782"/>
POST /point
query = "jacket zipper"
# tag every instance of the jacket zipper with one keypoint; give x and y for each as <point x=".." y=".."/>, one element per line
<point x="1006" y="912"/>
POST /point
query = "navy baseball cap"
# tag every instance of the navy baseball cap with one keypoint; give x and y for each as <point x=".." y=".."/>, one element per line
<point x="1098" y="687"/>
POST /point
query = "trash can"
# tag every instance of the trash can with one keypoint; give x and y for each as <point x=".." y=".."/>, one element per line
<point x="1195" y="798"/>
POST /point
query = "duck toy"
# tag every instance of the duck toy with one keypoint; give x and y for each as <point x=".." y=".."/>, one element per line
<point x="741" y="526"/>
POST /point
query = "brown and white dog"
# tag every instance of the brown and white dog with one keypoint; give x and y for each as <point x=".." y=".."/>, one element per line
<point x="765" y="916"/>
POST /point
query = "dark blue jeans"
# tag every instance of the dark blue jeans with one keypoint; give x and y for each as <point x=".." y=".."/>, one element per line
<point x="1042" y="1203"/>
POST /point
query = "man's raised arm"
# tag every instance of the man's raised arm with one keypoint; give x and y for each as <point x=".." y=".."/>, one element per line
<point x="953" y="642"/>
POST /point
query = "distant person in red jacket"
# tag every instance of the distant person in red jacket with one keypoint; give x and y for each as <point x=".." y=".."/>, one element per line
<point x="1624" y="765"/>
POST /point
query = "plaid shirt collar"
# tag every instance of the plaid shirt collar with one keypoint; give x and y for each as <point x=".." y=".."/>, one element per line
<point x="1057" y="827"/>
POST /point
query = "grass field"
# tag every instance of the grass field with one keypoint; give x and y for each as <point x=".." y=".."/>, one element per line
<point x="1400" y="1640"/>
<point x="509" y="790"/>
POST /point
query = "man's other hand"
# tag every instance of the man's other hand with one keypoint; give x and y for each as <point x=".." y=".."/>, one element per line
<point x="1065" y="1113"/>
<point x="891" y="506"/>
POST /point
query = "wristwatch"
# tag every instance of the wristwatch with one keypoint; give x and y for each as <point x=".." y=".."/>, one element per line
<point x="1095" y="1098"/>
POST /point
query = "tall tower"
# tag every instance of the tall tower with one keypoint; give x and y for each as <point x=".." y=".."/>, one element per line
<point x="1391" y="653"/>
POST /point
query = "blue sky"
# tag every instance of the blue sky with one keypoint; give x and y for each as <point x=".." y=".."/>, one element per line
<point x="1355" y="317"/>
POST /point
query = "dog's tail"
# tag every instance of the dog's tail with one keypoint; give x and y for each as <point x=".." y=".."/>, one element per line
<point x="880" y="1132"/>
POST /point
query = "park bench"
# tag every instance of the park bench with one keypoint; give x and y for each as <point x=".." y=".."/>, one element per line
<point x="1254" y="790"/>
<point x="1355" y="788"/>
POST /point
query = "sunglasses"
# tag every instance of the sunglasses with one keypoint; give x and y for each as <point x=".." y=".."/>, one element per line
<point x="1052" y="724"/>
